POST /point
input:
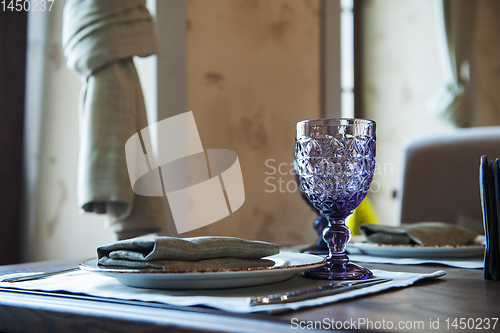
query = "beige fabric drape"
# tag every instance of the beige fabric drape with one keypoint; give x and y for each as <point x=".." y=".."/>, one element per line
<point x="99" y="40"/>
<point x="456" y="22"/>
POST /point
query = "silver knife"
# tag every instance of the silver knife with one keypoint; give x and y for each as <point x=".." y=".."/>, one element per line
<point x="300" y="295"/>
<point x="35" y="276"/>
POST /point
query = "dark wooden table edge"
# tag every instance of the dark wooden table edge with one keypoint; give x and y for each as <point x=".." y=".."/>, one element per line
<point x="59" y="312"/>
<point x="62" y="311"/>
<point x="65" y="313"/>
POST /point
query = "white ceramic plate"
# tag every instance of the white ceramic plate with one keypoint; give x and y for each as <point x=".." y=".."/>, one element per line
<point x="286" y="265"/>
<point x="419" y="251"/>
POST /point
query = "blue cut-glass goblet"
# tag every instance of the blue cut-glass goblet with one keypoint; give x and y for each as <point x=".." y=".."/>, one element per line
<point x="335" y="161"/>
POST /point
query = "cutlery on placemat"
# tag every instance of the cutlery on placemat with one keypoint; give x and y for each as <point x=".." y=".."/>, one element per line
<point x="31" y="276"/>
<point x="329" y="289"/>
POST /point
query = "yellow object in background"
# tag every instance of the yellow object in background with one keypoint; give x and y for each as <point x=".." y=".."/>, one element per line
<point x="365" y="213"/>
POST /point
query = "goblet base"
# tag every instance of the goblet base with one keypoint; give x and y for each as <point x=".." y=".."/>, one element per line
<point x="348" y="271"/>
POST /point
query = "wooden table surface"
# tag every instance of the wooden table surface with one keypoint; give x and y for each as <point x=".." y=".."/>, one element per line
<point x="428" y="306"/>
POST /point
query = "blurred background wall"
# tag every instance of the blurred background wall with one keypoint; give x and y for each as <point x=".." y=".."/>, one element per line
<point x="401" y="73"/>
<point x="253" y="69"/>
<point x="253" y="72"/>
<point x="53" y="226"/>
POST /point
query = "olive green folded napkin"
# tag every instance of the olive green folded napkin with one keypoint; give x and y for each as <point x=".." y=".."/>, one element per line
<point x="179" y="254"/>
<point x="422" y="233"/>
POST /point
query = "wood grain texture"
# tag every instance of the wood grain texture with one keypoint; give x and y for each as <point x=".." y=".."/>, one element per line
<point x="44" y="314"/>
<point x="41" y="312"/>
<point x="462" y="293"/>
<point x="12" y="71"/>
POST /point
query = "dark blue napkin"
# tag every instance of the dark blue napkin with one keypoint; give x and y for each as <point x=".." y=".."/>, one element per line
<point x="489" y="183"/>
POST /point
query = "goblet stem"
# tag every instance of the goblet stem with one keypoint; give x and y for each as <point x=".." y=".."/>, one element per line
<point x="336" y="236"/>
<point x="337" y="266"/>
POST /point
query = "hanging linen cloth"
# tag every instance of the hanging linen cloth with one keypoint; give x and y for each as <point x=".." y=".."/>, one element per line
<point x="456" y="23"/>
<point x="99" y="40"/>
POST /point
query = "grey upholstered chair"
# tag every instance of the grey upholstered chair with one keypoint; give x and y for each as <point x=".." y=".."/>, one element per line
<point x="441" y="176"/>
